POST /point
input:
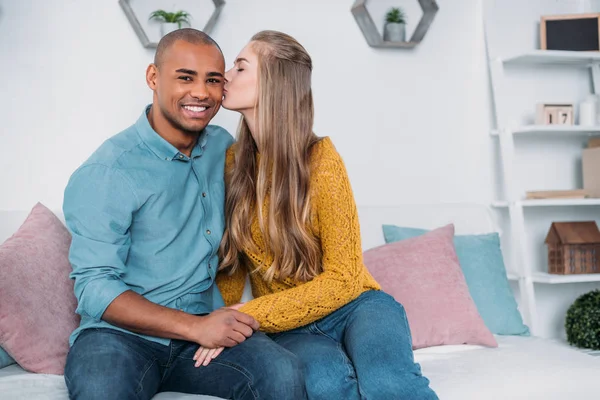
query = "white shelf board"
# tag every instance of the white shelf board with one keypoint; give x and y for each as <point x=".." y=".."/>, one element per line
<point x="560" y="130"/>
<point x="512" y="277"/>
<point x="582" y="58"/>
<point x="551" y="203"/>
<point x="552" y="279"/>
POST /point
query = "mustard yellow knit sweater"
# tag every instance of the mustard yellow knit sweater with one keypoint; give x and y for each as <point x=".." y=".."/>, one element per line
<point x="286" y="304"/>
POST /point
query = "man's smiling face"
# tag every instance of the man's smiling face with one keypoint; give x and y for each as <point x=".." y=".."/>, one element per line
<point x="189" y="85"/>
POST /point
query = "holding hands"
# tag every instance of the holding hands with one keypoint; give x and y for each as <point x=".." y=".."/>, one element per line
<point x="227" y="328"/>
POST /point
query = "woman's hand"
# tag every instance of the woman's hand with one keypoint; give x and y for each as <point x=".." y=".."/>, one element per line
<point x="204" y="355"/>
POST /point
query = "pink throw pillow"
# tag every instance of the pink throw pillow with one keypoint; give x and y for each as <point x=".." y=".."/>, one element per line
<point x="37" y="303"/>
<point x="424" y="275"/>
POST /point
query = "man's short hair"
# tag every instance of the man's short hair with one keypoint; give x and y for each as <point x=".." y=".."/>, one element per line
<point x="189" y="35"/>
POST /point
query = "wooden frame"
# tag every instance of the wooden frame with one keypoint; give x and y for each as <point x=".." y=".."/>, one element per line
<point x="374" y="38"/>
<point x="545" y="18"/>
<point x="141" y="34"/>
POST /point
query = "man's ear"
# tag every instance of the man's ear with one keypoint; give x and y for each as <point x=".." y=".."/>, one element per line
<point x="151" y="76"/>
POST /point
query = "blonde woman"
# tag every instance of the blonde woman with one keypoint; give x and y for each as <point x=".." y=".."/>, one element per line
<point x="292" y="227"/>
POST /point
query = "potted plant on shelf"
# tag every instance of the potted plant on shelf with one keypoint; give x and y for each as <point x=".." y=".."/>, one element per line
<point x="170" y="21"/>
<point x="395" y="25"/>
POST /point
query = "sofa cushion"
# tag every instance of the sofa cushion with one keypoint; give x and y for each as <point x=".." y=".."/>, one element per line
<point x="37" y="303"/>
<point x="5" y="359"/>
<point x="482" y="263"/>
<point x="424" y="275"/>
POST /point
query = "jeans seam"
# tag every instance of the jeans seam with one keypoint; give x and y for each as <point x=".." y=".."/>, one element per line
<point x="243" y="372"/>
<point x="349" y="369"/>
<point x="68" y="384"/>
<point x="168" y="365"/>
<point x="170" y="360"/>
<point x="251" y="390"/>
<point x="318" y="331"/>
<point x="140" y="384"/>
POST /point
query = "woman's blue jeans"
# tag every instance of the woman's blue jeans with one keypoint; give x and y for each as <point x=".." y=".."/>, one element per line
<point x="361" y="351"/>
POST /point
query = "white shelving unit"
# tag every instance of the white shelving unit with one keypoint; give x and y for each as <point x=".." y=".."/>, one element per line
<point x="550" y="203"/>
<point x="579" y="58"/>
<point x="558" y="130"/>
<point x="524" y="272"/>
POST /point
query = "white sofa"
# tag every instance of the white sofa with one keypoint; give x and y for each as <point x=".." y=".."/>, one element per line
<point x="520" y="368"/>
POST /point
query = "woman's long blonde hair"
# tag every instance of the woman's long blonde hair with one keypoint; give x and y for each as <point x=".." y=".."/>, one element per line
<point x="284" y="122"/>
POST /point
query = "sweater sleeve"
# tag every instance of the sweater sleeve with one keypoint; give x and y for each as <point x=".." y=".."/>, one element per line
<point x="232" y="286"/>
<point x="341" y="279"/>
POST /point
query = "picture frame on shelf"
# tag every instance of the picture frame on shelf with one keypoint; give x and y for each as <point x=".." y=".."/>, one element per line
<point x="570" y="32"/>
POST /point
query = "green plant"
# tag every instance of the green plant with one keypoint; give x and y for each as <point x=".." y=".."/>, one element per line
<point x="171" y="17"/>
<point x="582" y="322"/>
<point x="395" y="16"/>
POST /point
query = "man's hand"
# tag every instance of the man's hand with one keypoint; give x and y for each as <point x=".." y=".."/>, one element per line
<point x="205" y="355"/>
<point x="225" y="327"/>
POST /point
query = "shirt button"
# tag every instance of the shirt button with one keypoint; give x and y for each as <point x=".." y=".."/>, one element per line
<point x="180" y="156"/>
<point x="208" y="231"/>
<point x="209" y="266"/>
<point x="203" y="194"/>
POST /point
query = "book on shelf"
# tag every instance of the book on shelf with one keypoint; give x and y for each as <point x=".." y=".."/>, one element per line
<point x="556" y="194"/>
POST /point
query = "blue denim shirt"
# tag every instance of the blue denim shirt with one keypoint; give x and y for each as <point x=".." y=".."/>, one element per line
<point x="147" y="218"/>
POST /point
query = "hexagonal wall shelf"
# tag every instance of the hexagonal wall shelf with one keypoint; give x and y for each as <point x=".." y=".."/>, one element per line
<point x="374" y="38"/>
<point x="139" y="30"/>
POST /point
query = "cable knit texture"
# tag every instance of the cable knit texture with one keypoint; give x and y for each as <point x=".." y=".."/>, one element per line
<point x="286" y="304"/>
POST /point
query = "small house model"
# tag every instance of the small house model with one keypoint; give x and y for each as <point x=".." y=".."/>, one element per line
<point x="573" y="248"/>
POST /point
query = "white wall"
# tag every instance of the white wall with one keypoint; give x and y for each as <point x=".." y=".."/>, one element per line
<point x="412" y="125"/>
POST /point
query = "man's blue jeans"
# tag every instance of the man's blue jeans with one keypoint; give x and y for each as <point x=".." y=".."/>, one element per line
<point x="361" y="351"/>
<point x="108" y="364"/>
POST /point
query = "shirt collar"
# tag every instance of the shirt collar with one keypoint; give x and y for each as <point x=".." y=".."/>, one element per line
<point x="159" y="146"/>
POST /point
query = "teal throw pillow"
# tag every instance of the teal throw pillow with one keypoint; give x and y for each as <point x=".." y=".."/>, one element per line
<point x="5" y="359"/>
